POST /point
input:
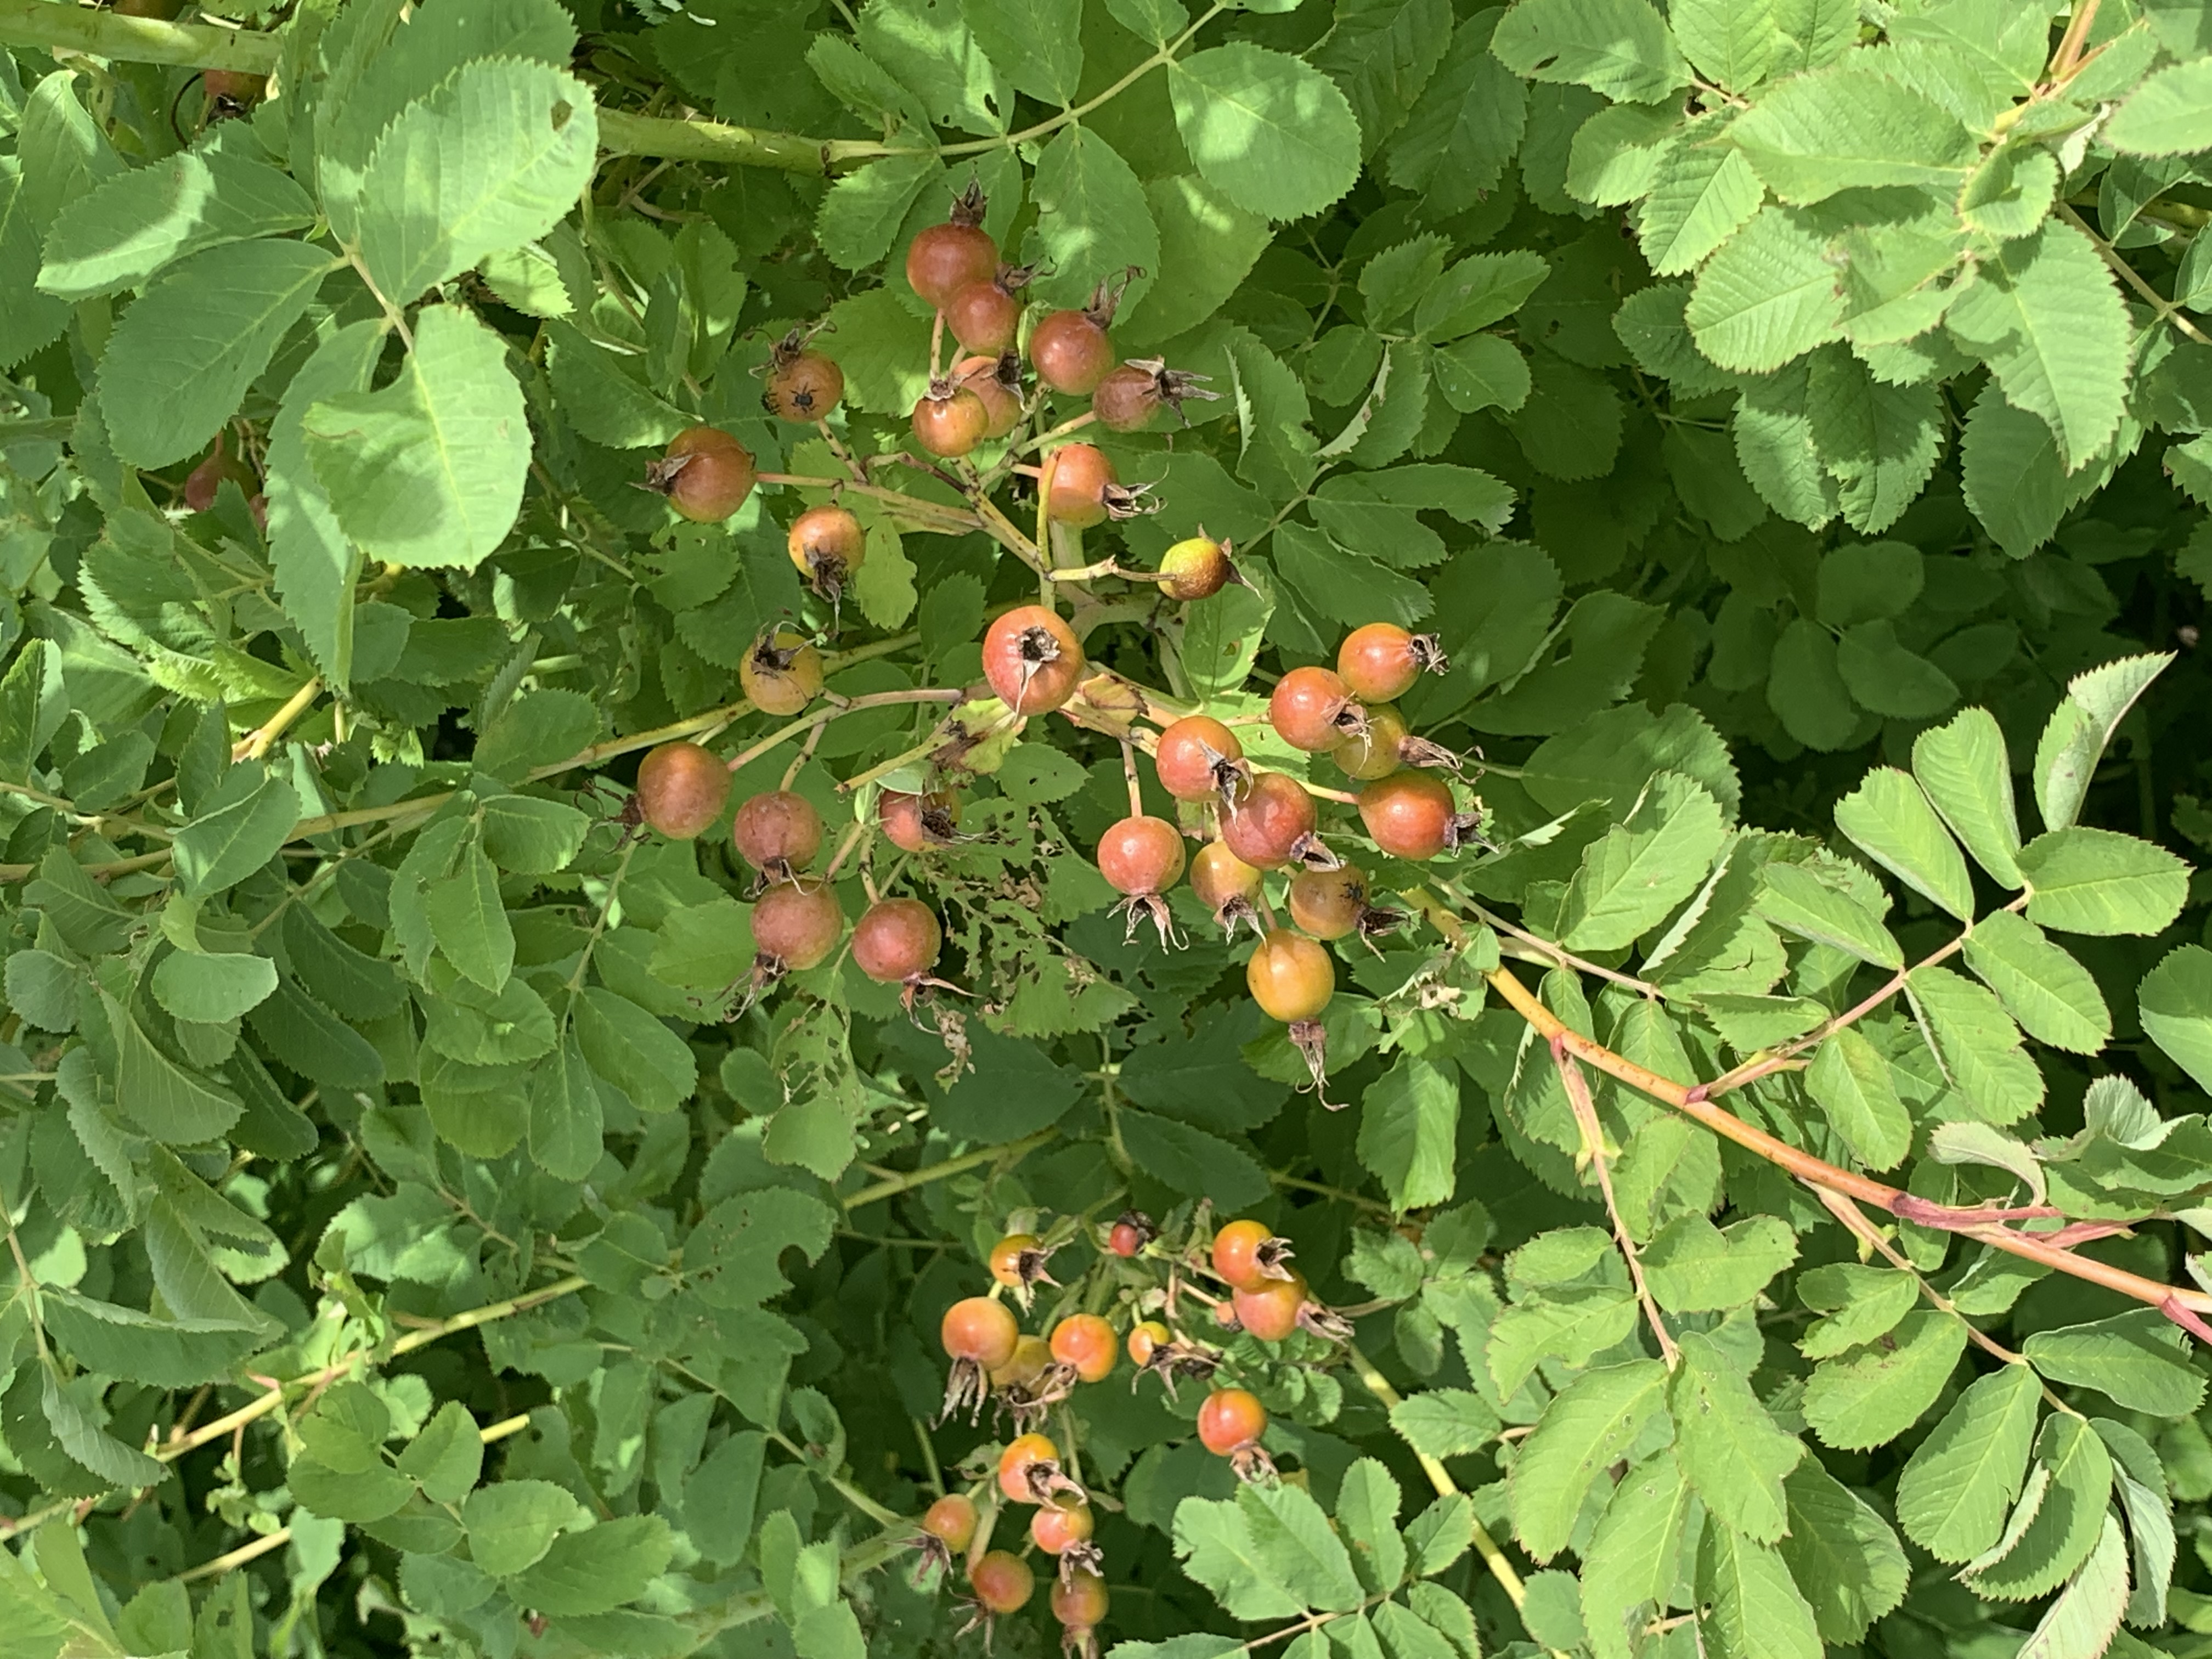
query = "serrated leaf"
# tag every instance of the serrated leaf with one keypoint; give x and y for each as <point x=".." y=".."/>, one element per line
<point x="2051" y="994"/>
<point x="161" y="1096"/>
<point x="1213" y="1541"/>
<point x="2139" y="1359"/>
<point x="181" y="358"/>
<point x="1976" y="1044"/>
<point x="1618" y="48"/>
<point x="492" y="159"/>
<point x="1582" y="1430"/>
<point x="1961" y="767"/>
<point x="1869" y="1398"/>
<point x="1645" y="866"/>
<point x="1861" y="1304"/>
<point x="2100" y="882"/>
<point x="1693" y="1267"/>
<point x="1636" y="1554"/>
<point x="1798" y="902"/>
<point x="2081" y="729"/>
<point x="2042" y="1548"/>
<point x="1444" y="1422"/>
<point x="428" y="470"/>
<point x="1891" y="820"/>
<point x="316" y="566"/>
<point x="1848" y="127"/>
<point x="120" y="234"/>
<point x="1843" y="1556"/>
<point x="1768" y="294"/>
<point x="1757" y="1611"/>
<point x="2169" y="114"/>
<point x="2046" y="316"/>
<point x="1732" y="1453"/>
<point x="1268" y="129"/>
<point x="1293" y="1539"/>
<point x="1953" y="1494"/>
<point x="2082" y="1622"/>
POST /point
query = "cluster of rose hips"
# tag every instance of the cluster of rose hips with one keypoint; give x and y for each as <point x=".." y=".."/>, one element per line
<point x="797" y="920"/>
<point x="955" y="267"/>
<point x="1266" y="821"/>
<point x="1024" y="1375"/>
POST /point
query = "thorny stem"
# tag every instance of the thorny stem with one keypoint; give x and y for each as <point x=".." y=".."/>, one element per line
<point x="1593" y="1133"/>
<point x="1691" y="1101"/>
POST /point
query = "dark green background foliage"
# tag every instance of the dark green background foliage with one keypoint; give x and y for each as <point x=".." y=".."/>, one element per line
<point x="1773" y="406"/>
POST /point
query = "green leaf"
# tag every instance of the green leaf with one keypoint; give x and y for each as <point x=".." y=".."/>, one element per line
<point x="1954" y="1493"/>
<point x="512" y="1523"/>
<point x="1693" y="1267"/>
<point x="1445" y="1422"/>
<point x="1408" y="1127"/>
<point x="536" y="729"/>
<point x="1570" y="1325"/>
<point x="2139" y="1359"/>
<point x="1291" y="1537"/>
<point x="2169" y="114"/>
<point x="1644" y="866"/>
<point x="1798" y="902"/>
<point x="720" y="1496"/>
<point x="2046" y="316"/>
<point x="133" y="224"/>
<point x="567" y="1116"/>
<point x="2014" y="473"/>
<point x="1038" y="44"/>
<point x="633" y="1051"/>
<point x="446" y="1458"/>
<point x="492" y="159"/>
<point x="1092" y="218"/>
<point x="1701" y="193"/>
<point x="1768" y="295"/>
<point x="1618" y="48"/>
<point x="316" y="566"/>
<point x="1479" y="290"/>
<point x="1861" y="1304"/>
<point x="1209" y="242"/>
<point x="2100" y="882"/>
<point x="428" y="470"/>
<point x="1848" y="127"/>
<point x="161" y="1096"/>
<point x="601" y="398"/>
<point x="1869" y="1398"/>
<point x="1382" y="53"/>
<point x="1962" y="770"/>
<point x="1269" y="129"/>
<point x="2174" y="1002"/>
<point x="1464" y="128"/>
<point x="2043" y="1547"/>
<point x="2081" y="729"/>
<point x="2086" y="1614"/>
<point x="1730" y="42"/>
<point x="181" y="358"/>
<point x="1731" y="1451"/>
<point x="469" y="920"/>
<point x="1584" y="1428"/>
<point x="599" y="1568"/>
<point x="1757" y="1611"/>
<point x="247" y="823"/>
<point x="1891" y="821"/>
<point x="1213" y="1540"/>
<point x="2046" y="990"/>
<point x="1842" y="1555"/>
<point x="1367" y="1514"/>
<point x="210" y="989"/>
<point x="169" y="1353"/>
<point x="530" y="836"/>
<point x="1976" y="1044"/>
<point x="367" y="1494"/>
<point x="1636" y="1554"/>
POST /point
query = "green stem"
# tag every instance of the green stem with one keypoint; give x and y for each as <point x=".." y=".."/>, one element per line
<point x="136" y="40"/>
<point x="1011" y="1153"/>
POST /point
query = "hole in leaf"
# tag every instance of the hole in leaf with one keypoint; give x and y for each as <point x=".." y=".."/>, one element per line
<point x="561" y="112"/>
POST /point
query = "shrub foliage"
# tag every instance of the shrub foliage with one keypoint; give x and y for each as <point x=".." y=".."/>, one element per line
<point x="1745" y="1191"/>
